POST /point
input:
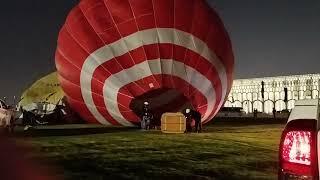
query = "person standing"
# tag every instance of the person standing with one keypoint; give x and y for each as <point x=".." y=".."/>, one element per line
<point x="143" y="123"/>
<point x="188" y="115"/>
<point x="197" y="118"/>
<point x="274" y="113"/>
<point x="255" y="113"/>
<point x="146" y="117"/>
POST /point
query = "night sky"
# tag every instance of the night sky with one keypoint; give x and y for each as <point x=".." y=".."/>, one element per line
<point x="270" y="38"/>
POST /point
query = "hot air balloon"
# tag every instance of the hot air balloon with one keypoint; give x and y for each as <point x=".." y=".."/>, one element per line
<point x="113" y="55"/>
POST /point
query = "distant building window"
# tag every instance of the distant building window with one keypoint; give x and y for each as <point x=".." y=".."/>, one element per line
<point x="309" y="81"/>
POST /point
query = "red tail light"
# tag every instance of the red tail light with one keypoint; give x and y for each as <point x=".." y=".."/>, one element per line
<point x="298" y="152"/>
<point x="297" y="147"/>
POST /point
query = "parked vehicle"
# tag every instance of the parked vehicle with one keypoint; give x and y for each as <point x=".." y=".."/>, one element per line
<point x="300" y="145"/>
<point x="6" y="116"/>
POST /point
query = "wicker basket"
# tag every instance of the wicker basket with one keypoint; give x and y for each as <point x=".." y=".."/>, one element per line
<point x="173" y="123"/>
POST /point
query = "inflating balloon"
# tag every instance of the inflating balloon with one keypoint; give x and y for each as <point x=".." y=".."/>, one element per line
<point x="113" y="55"/>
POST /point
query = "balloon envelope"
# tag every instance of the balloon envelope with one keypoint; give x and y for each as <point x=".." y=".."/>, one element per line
<point x="114" y="55"/>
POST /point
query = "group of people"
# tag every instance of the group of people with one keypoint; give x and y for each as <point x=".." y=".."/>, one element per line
<point x="192" y="118"/>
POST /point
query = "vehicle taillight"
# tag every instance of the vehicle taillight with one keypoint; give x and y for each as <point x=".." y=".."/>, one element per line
<point x="298" y="153"/>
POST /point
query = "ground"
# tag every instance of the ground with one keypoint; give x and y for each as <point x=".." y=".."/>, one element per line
<point x="222" y="151"/>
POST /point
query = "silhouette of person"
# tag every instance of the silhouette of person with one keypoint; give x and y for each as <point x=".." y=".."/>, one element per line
<point x="187" y="114"/>
<point x="147" y="117"/>
<point x="197" y="118"/>
<point x="255" y="113"/>
<point x="274" y="113"/>
<point x="190" y="116"/>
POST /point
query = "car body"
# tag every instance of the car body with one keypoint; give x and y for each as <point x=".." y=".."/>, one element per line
<point x="6" y="115"/>
<point x="300" y="145"/>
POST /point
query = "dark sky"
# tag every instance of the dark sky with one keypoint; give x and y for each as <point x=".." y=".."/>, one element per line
<point x="270" y="37"/>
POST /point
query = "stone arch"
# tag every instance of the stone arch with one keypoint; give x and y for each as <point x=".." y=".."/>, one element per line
<point x="249" y="96"/>
<point x="308" y="94"/>
<point x="280" y="105"/>
<point x="244" y="97"/>
<point x="271" y="96"/>
<point x="255" y="96"/>
<point x="247" y="106"/>
<point x="276" y="96"/>
<point x="315" y="94"/>
<point x="228" y="104"/>
<point x="301" y="94"/>
<point x="258" y="105"/>
<point x="239" y="96"/>
<point x="237" y="104"/>
<point x="295" y="95"/>
<point x="268" y="106"/>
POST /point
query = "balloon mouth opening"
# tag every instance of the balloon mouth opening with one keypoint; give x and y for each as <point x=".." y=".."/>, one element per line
<point x="160" y="101"/>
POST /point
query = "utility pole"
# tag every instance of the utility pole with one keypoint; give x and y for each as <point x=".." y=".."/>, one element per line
<point x="318" y="87"/>
<point x="262" y="94"/>
<point x="14" y="102"/>
<point x="286" y="97"/>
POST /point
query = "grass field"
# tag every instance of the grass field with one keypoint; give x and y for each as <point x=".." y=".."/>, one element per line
<point x="221" y="152"/>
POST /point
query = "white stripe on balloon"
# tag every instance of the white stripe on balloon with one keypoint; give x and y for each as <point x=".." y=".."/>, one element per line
<point x="112" y="85"/>
<point x="134" y="41"/>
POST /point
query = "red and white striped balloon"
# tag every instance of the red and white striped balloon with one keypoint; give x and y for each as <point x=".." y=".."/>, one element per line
<point x="112" y="51"/>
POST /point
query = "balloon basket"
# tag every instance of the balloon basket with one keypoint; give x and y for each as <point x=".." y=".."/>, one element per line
<point x="174" y="123"/>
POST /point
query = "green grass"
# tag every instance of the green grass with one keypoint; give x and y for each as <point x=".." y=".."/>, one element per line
<point x="221" y="152"/>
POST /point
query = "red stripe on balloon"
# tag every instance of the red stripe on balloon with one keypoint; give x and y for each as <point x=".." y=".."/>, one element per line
<point x="71" y="49"/>
<point x="164" y="13"/>
<point x="71" y="87"/>
<point x="64" y="68"/>
<point x="81" y="108"/>
<point x="97" y="15"/>
<point x="82" y="32"/>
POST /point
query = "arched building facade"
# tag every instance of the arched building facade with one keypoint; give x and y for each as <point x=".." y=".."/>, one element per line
<point x="267" y="93"/>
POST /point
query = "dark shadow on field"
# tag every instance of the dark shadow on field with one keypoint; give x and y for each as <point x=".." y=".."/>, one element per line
<point x="263" y="164"/>
<point x="88" y="167"/>
<point x="47" y="131"/>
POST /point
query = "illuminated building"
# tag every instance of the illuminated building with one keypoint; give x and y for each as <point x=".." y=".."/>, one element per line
<point x="267" y="93"/>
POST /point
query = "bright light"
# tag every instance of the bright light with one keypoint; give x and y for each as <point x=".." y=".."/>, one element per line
<point x="297" y="147"/>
